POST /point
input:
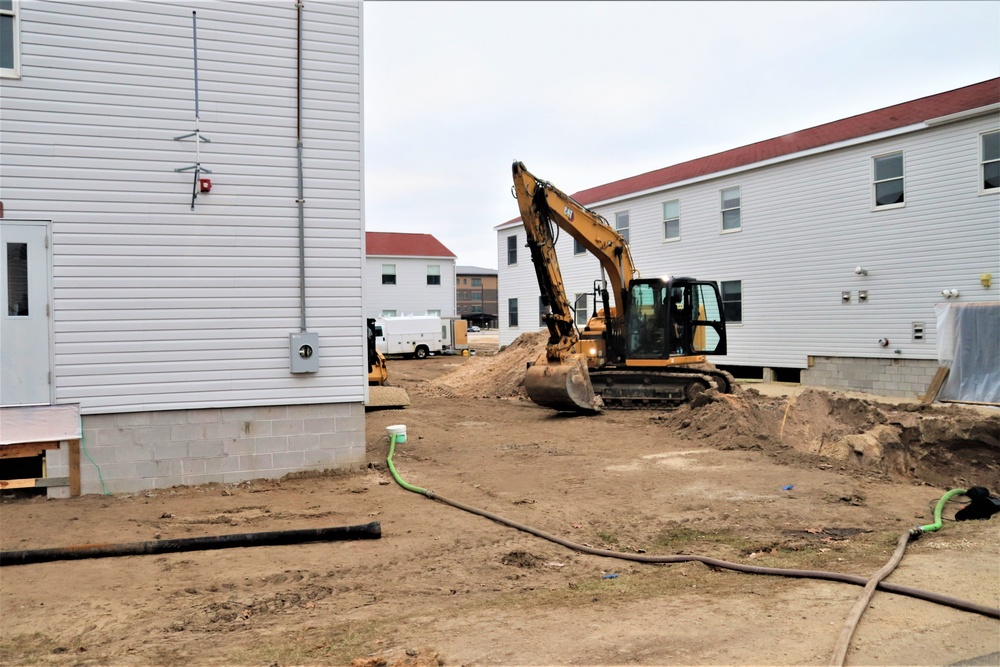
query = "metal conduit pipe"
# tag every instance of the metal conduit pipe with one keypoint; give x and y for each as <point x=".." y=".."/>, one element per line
<point x="298" y="149"/>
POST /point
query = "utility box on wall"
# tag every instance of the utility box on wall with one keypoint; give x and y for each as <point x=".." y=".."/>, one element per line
<point x="303" y="352"/>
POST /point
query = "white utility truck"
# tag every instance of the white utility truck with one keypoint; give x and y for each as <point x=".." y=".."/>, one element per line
<point x="411" y="335"/>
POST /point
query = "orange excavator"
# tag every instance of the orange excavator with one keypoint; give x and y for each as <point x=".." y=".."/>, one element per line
<point x="645" y="347"/>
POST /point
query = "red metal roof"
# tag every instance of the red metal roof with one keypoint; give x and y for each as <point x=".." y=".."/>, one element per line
<point x="882" y="120"/>
<point x="405" y="245"/>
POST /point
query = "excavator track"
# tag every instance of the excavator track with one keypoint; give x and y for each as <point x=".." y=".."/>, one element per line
<point x="655" y="389"/>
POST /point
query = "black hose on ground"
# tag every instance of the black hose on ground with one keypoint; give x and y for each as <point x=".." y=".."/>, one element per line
<point x="948" y="601"/>
<point x="368" y="531"/>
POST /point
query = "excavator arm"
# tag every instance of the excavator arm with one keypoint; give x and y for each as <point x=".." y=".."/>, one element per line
<point x="543" y="205"/>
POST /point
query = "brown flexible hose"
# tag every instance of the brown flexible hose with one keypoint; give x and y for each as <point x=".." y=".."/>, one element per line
<point x="956" y="603"/>
<point x="851" y="624"/>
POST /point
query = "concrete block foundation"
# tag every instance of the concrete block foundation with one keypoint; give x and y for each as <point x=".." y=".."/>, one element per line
<point x="132" y="452"/>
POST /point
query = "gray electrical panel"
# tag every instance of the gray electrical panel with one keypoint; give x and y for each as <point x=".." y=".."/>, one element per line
<point x="303" y="352"/>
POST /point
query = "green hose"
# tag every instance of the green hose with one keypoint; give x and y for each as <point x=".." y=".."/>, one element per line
<point x="395" y="475"/>
<point x="931" y="527"/>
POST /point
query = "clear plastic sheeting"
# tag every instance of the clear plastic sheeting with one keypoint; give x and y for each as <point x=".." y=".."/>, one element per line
<point x="969" y="343"/>
<point x="25" y="424"/>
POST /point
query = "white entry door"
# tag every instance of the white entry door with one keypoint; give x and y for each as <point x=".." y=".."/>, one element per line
<point x="24" y="313"/>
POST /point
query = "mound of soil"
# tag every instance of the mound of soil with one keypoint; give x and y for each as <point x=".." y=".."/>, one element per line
<point x="948" y="446"/>
<point x="497" y="376"/>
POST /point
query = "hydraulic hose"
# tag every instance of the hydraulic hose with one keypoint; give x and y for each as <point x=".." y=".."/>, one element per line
<point x="956" y="603"/>
<point x="368" y="531"/>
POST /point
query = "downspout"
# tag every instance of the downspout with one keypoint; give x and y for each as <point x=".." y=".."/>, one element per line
<point x="298" y="147"/>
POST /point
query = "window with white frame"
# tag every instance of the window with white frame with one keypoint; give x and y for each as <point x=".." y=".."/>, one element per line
<point x="621" y="224"/>
<point x="512" y="250"/>
<point x="434" y="313"/>
<point x="580" y="309"/>
<point x="512" y="312"/>
<point x="433" y="274"/>
<point x="388" y="313"/>
<point x="10" y="40"/>
<point x="388" y="274"/>
<point x="578" y="248"/>
<point x="730" y="201"/>
<point x="672" y="220"/>
<point x="990" y="151"/>
<point x="887" y="180"/>
<point x="732" y="300"/>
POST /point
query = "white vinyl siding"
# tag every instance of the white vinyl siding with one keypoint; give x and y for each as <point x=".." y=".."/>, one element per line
<point x="411" y="294"/>
<point x="157" y="306"/>
<point x="800" y="254"/>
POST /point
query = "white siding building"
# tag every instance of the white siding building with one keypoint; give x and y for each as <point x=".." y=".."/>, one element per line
<point x="168" y="318"/>
<point x="408" y="274"/>
<point x="832" y="245"/>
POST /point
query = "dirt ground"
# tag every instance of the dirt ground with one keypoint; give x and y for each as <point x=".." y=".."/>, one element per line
<point x="810" y="479"/>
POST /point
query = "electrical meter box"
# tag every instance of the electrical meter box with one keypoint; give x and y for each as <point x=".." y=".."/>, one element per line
<point x="303" y="352"/>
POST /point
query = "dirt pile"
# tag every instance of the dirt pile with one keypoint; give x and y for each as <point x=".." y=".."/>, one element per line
<point x="945" y="445"/>
<point x="497" y="376"/>
<point x="942" y="445"/>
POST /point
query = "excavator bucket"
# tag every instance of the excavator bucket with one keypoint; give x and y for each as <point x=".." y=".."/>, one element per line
<point x="565" y="387"/>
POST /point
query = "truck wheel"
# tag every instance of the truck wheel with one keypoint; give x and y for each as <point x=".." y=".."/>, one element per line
<point x="421" y="352"/>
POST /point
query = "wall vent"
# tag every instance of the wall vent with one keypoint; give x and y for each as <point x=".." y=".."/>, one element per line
<point x="917" y="329"/>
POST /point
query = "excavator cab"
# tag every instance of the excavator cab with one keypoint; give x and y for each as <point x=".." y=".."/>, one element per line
<point x="672" y="317"/>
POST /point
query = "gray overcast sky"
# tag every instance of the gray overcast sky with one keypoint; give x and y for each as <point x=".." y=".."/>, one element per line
<point x="585" y="93"/>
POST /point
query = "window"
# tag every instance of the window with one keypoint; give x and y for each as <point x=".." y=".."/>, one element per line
<point x="17" y="280"/>
<point x="512" y="312"/>
<point x="465" y="281"/>
<point x="477" y="282"/>
<point x="477" y="309"/>
<point x="731" y="210"/>
<point x="458" y="281"/>
<point x="388" y="313"/>
<point x="511" y="250"/>
<point x="672" y="220"/>
<point x="433" y="274"/>
<point x="578" y="248"/>
<point x="10" y="40"/>
<point x="621" y="224"/>
<point x="435" y="313"/>
<point x="388" y="274"/>
<point x="991" y="162"/>
<point x="887" y="184"/>
<point x="580" y="310"/>
<point x="732" y="300"/>
<point x="477" y="296"/>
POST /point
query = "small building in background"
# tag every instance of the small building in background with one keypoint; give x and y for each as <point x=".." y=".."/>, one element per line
<point x="476" y="295"/>
<point x="408" y="274"/>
